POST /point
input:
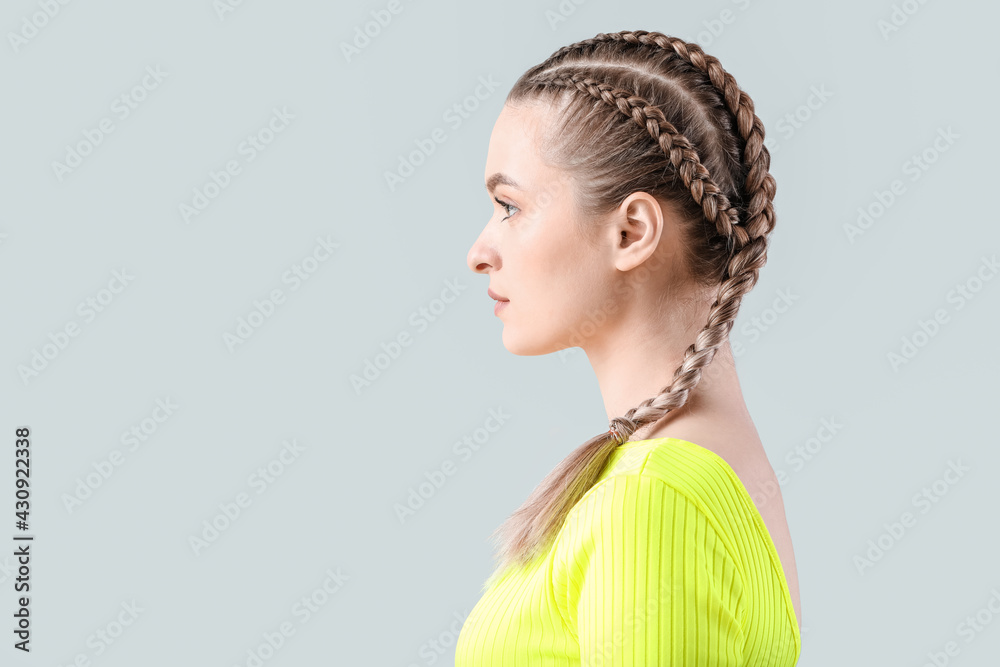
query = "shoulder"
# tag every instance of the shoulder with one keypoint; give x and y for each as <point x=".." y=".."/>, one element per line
<point x="698" y="474"/>
<point x="639" y="530"/>
<point x="664" y="474"/>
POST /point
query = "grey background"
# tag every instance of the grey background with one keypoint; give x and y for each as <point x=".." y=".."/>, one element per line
<point x="410" y="583"/>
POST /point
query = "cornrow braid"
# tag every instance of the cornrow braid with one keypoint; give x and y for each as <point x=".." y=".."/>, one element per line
<point x="743" y="223"/>
<point x="751" y="241"/>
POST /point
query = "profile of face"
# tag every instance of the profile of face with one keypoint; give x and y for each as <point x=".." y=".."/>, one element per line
<point x="531" y="247"/>
<point x="561" y="286"/>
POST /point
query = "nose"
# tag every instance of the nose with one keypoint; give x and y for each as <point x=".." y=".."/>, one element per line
<point x="483" y="255"/>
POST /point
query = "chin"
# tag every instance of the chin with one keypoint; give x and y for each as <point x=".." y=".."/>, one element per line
<point x="527" y="346"/>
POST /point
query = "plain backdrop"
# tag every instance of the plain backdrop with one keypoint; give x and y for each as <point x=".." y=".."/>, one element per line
<point x="241" y="348"/>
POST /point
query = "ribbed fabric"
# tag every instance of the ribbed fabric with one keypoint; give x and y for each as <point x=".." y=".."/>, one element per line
<point x="664" y="561"/>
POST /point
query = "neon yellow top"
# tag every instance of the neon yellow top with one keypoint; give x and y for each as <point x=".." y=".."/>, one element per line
<point x="664" y="561"/>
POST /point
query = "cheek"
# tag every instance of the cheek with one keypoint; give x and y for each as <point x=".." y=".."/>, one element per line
<point x="556" y="279"/>
<point x="568" y="292"/>
<point x="552" y="277"/>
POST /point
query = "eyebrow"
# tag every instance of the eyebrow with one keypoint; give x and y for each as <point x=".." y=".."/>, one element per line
<point x="501" y="178"/>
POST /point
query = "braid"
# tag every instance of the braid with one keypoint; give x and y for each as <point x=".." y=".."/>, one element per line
<point x="748" y="242"/>
<point x="533" y="525"/>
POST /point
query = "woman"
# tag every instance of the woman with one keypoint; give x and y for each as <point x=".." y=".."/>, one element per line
<point x="633" y="205"/>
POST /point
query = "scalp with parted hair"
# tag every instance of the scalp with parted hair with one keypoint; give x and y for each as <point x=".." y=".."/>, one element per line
<point x="644" y="111"/>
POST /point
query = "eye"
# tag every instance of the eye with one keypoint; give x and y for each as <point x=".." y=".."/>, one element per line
<point x="506" y="207"/>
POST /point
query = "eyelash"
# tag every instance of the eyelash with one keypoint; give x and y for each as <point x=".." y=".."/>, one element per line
<point x="505" y="206"/>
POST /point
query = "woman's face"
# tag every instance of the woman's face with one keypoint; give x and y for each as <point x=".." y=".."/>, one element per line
<point x="556" y="282"/>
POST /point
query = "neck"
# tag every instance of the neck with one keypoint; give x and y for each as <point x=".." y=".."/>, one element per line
<point x="635" y="361"/>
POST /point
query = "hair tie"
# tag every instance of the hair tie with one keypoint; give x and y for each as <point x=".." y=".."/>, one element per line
<point x="621" y="428"/>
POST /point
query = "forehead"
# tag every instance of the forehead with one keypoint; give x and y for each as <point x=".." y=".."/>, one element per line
<point x="515" y="143"/>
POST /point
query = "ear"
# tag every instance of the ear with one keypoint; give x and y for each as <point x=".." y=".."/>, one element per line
<point x="637" y="226"/>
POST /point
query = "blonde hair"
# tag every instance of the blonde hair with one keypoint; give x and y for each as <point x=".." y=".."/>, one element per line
<point x="643" y="111"/>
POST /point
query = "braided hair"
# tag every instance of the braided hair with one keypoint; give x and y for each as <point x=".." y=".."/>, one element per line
<point x="644" y="111"/>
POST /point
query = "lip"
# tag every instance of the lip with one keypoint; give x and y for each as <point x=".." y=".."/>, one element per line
<point x="494" y="295"/>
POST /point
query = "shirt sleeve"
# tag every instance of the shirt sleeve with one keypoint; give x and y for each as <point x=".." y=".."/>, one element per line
<point x="644" y="579"/>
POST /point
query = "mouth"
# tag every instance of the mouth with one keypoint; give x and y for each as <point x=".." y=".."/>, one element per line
<point x="501" y="302"/>
<point x="495" y="296"/>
